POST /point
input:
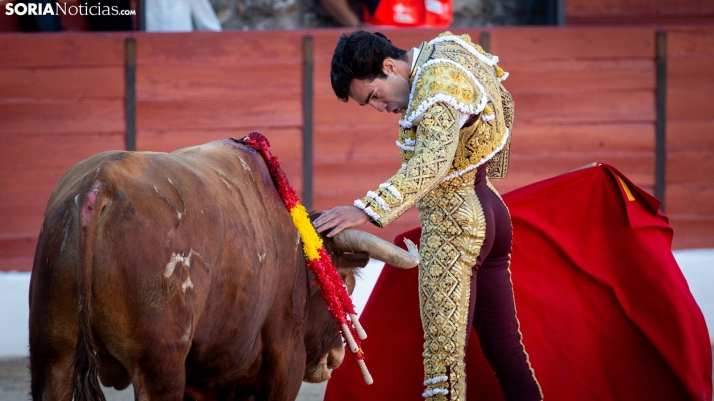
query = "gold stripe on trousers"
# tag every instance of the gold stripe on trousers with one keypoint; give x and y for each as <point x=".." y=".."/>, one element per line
<point x="453" y="231"/>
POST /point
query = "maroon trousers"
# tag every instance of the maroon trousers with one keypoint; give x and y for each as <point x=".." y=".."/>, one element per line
<point x="491" y="306"/>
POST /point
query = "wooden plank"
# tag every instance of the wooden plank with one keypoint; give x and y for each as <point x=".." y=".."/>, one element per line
<point x="16" y="253"/>
<point x="524" y="170"/>
<point x="580" y="75"/>
<point x="639" y="167"/>
<point x="357" y="176"/>
<point x="183" y="82"/>
<point x="56" y="117"/>
<point x="38" y="153"/>
<point x="692" y="232"/>
<point x="690" y="73"/>
<point x="32" y="186"/>
<point x="594" y="139"/>
<point x="631" y="8"/>
<point x="219" y="48"/>
<point x="643" y="20"/>
<point x="21" y="219"/>
<point x="690" y="136"/>
<point x="244" y="113"/>
<point x="572" y="43"/>
<point x="91" y="49"/>
<point x="62" y="83"/>
<point x="584" y="107"/>
<point x="690" y="42"/>
<point x="17" y="264"/>
<point x="690" y="104"/>
<point x="345" y="144"/>
<point x="516" y="181"/>
<point x="695" y="200"/>
<point x="691" y="167"/>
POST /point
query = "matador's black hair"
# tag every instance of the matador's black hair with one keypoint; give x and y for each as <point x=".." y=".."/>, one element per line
<point x="360" y="55"/>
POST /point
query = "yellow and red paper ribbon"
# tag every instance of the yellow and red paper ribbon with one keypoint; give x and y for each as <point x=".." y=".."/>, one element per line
<point x="327" y="278"/>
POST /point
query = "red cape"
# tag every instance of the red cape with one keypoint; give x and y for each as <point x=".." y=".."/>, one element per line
<point x="605" y="311"/>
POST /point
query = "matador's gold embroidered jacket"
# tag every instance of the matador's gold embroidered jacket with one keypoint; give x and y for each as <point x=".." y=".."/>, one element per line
<point x="453" y="81"/>
<point x="452" y="77"/>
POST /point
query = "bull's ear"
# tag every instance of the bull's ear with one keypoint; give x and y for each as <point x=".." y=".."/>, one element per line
<point x="356" y="259"/>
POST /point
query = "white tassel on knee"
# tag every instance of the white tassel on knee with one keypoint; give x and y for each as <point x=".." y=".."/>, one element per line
<point x="365" y="373"/>
<point x="350" y="340"/>
<point x="356" y="350"/>
<point x="358" y="327"/>
<point x="435" y="391"/>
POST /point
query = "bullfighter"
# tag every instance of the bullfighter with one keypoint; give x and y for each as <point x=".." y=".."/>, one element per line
<point x="455" y="132"/>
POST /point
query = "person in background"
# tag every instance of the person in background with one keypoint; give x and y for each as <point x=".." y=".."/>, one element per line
<point x="111" y="22"/>
<point x="84" y="21"/>
<point x="39" y="23"/>
<point x="393" y="13"/>
<point x="180" y="16"/>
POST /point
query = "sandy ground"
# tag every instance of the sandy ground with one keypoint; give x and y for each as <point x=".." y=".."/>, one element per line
<point x="15" y="385"/>
<point x="697" y="266"/>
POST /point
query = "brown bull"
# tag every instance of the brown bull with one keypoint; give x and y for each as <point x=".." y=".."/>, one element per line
<point x="181" y="274"/>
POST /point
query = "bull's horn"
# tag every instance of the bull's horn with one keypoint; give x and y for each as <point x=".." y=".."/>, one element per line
<point x="355" y="240"/>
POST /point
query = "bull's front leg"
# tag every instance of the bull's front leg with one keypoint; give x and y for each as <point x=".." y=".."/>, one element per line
<point x="160" y="373"/>
<point x="157" y="353"/>
<point x="283" y="369"/>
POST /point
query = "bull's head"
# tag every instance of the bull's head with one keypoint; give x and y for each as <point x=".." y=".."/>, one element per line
<point x="350" y="250"/>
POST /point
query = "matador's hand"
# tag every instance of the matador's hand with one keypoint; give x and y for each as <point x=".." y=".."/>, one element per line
<point x="339" y="218"/>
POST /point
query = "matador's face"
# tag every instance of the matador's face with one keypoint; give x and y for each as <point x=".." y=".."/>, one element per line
<point x="390" y="93"/>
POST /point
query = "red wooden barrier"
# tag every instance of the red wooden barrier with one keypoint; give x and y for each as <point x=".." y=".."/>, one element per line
<point x="198" y="87"/>
<point x="690" y="136"/>
<point x="61" y="100"/>
<point x="582" y="95"/>
<point x="642" y="12"/>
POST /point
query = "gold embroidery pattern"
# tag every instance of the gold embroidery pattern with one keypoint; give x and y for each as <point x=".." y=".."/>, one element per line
<point x="436" y="142"/>
<point x="498" y="165"/>
<point x="453" y="231"/>
<point x="483" y="138"/>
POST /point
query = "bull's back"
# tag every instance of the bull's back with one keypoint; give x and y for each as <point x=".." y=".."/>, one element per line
<point x="193" y="242"/>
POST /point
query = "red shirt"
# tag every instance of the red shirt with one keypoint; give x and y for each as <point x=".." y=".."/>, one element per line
<point x="411" y="13"/>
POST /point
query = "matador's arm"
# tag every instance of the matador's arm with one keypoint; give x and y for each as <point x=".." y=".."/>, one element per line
<point x="434" y="150"/>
